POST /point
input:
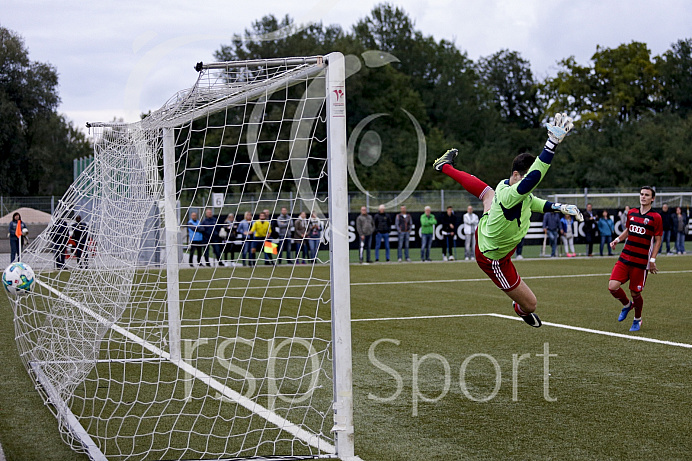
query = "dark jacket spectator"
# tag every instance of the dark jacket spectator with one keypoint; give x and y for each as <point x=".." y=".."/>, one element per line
<point x="14" y="239"/>
<point x="59" y="235"/>
<point x="551" y="222"/>
<point x="449" y="222"/>
<point x="667" y="219"/>
<point x="403" y="222"/>
<point x="209" y="227"/>
<point x="80" y="234"/>
<point x="383" y="224"/>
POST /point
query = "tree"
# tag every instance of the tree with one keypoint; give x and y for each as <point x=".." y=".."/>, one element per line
<point x="444" y="76"/>
<point x="37" y="144"/>
<point x="509" y="80"/>
<point x="273" y="38"/>
<point x="493" y="109"/>
<point x="622" y="84"/>
<point x="675" y="69"/>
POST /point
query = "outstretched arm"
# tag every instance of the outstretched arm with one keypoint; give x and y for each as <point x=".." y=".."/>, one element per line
<point x="556" y="133"/>
<point x="546" y="206"/>
<point x="620" y="238"/>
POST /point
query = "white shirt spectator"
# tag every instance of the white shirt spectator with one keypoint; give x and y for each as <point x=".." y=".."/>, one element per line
<point x="470" y="223"/>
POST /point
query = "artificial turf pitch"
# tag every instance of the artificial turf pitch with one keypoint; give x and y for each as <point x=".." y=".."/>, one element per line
<point x="435" y="381"/>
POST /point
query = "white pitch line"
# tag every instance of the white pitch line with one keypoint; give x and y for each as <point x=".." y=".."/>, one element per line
<point x="601" y="332"/>
<point x="484" y="279"/>
<point x="311" y="322"/>
<point x="405" y="282"/>
<point x="418" y="317"/>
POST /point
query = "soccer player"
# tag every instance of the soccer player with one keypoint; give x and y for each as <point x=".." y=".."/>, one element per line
<point x="643" y="233"/>
<point x="507" y="213"/>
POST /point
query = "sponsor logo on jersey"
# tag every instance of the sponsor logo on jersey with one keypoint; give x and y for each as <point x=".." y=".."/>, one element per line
<point x="637" y="229"/>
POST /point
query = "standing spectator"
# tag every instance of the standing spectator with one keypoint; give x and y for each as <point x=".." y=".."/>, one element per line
<point x="260" y="231"/>
<point x="300" y="229"/>
<point x="382" y="226"/>
<point x="606" y="227"/>
<point x="196" y="238"/>
<point x="520" y="249"/>
<point x="403" y="223"/>
<point x="59" y="237"/>
<point x="667" y="219"/>
<point x="365" y="226"/>
<point x="427" y="230"/>
<point x="314" y="234"/>
<point x="268" y="217"/>
<point x="244" y="234"/>
<point x="551" y="227"/>
<point x="283" y="232"/>
<point x="567" y="235"/>
<point x="449" y="229"/>
<point x="80" y="234"/>
<point x="470" y="225"/>
<point x="623" y="217"/>
<point x="680" y="226"/>
<point x="589" y="228"/>
<point x="210" y="229"/>
<point x="17" y="229"/>
<point x="228" y="234"/>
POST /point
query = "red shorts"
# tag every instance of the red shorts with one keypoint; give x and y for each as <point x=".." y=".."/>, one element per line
<point x="622" y="273"/>
<point x="501" y="271"/>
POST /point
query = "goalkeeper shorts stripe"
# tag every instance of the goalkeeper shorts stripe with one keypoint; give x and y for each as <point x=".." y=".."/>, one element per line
<point x="501" y="271"/>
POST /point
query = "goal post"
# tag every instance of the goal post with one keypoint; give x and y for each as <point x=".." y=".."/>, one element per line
<point x="171" y="231"/>
<point x="203" y="311"/>
<point x="340" y="286"/>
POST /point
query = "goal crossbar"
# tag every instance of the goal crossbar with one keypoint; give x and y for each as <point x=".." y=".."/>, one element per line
<point x="249" y="92"/>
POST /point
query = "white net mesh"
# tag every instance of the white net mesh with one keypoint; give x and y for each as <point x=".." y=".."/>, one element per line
<point x="99" y="329"/>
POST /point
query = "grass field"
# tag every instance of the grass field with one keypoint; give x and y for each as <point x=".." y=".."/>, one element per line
<point x="443" y="370"/>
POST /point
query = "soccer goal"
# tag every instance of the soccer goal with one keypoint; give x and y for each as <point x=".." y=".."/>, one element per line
<point x="162" y="336"/>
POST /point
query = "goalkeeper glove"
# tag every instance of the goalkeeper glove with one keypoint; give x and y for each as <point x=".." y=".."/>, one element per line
<point x="569" y="209"/>
<point x="557" y="131"/>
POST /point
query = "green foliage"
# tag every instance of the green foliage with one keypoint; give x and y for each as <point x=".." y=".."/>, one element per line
<point x="627" y="104"/>
<point x="37" y="144"/>
<point x="654" y="150"/>
<point x="510" y="81"/>
<point x="675" y="69"/>
<point x="622" y="84"/>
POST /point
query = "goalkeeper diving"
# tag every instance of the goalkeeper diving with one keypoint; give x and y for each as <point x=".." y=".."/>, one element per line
<point x="507" y="213"/>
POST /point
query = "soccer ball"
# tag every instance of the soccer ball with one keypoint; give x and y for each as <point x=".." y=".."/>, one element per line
<point x="18" y="279"/>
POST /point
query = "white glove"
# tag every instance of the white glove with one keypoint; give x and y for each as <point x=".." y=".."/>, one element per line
<point x="562" y="125"/>
<point x="569" y="209"/>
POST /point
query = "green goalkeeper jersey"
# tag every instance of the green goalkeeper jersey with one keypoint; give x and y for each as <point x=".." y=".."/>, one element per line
<point x="503" y="226"/>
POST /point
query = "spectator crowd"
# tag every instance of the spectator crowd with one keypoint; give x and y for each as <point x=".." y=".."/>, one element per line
<point x="285" y="239"/>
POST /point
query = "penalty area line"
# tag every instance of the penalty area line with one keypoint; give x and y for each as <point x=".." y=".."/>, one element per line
<point x="601" y="332"/>
<point x="551" y="324"/>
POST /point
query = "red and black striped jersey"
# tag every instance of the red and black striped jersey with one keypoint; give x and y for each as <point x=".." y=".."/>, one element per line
<point x="640" y="238"/>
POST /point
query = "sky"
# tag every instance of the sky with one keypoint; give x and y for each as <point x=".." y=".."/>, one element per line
<point x="122" y="58"/>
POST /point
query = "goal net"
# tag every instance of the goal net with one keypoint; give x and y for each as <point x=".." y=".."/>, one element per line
<point x="192" y="295"/>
